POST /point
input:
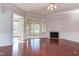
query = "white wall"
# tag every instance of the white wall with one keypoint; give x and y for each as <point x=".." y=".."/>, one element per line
<point x="70" y="29"/>
<point x="67" y="24"/>
<point x="54" y="23"/>
<point x="5" y="27"/>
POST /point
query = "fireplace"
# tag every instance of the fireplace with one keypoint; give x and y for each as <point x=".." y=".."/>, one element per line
<point x="54" y="35"/>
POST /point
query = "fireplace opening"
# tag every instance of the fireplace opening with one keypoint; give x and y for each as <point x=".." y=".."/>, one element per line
<point x="54" y="35"/>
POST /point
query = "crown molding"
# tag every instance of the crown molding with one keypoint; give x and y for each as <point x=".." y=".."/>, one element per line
<point x="64" y="13"/>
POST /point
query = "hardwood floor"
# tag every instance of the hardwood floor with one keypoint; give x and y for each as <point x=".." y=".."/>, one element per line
<point x="41" y="47"/>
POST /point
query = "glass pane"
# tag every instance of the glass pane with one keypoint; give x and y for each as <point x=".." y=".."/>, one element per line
<point x="35" y="29"/>
<point x="15" y="28"/>
<point x="18" y="25"/>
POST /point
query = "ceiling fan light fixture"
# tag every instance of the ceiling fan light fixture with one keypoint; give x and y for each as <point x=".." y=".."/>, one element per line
<point x="48" y="8"/>
<point x="52" y="9"/>
<point x="52" y="6"/>
<point x="55" y="6"/>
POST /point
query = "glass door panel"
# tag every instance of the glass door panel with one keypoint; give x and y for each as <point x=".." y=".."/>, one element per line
<point x="35" y="28"/>
<point x="18" y="27"/>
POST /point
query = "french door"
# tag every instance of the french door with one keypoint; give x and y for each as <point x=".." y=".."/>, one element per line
<point x="18" y="27"/>
<point x="35" y="29"/>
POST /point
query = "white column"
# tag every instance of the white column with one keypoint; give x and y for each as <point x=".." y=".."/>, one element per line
<point x="5" y="27"/>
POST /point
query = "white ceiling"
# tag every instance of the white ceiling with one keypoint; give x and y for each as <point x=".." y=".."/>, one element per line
<point x="40" y="8"/>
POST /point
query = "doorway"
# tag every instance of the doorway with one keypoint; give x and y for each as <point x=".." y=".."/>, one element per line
<point x="18" y="27"/>
<point x="35" y="27"/>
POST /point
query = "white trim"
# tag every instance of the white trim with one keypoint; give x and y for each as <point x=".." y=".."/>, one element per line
<point x="63" y="13"/>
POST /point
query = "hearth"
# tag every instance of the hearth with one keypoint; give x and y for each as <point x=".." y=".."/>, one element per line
<point x="54" y="35"/>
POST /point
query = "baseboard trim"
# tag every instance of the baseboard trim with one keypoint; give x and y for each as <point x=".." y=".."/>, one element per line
<point x="6" y="45"/>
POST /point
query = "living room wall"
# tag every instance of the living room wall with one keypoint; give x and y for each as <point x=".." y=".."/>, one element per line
<point x="67" y="24"/>
<point x="5" y="27"/>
